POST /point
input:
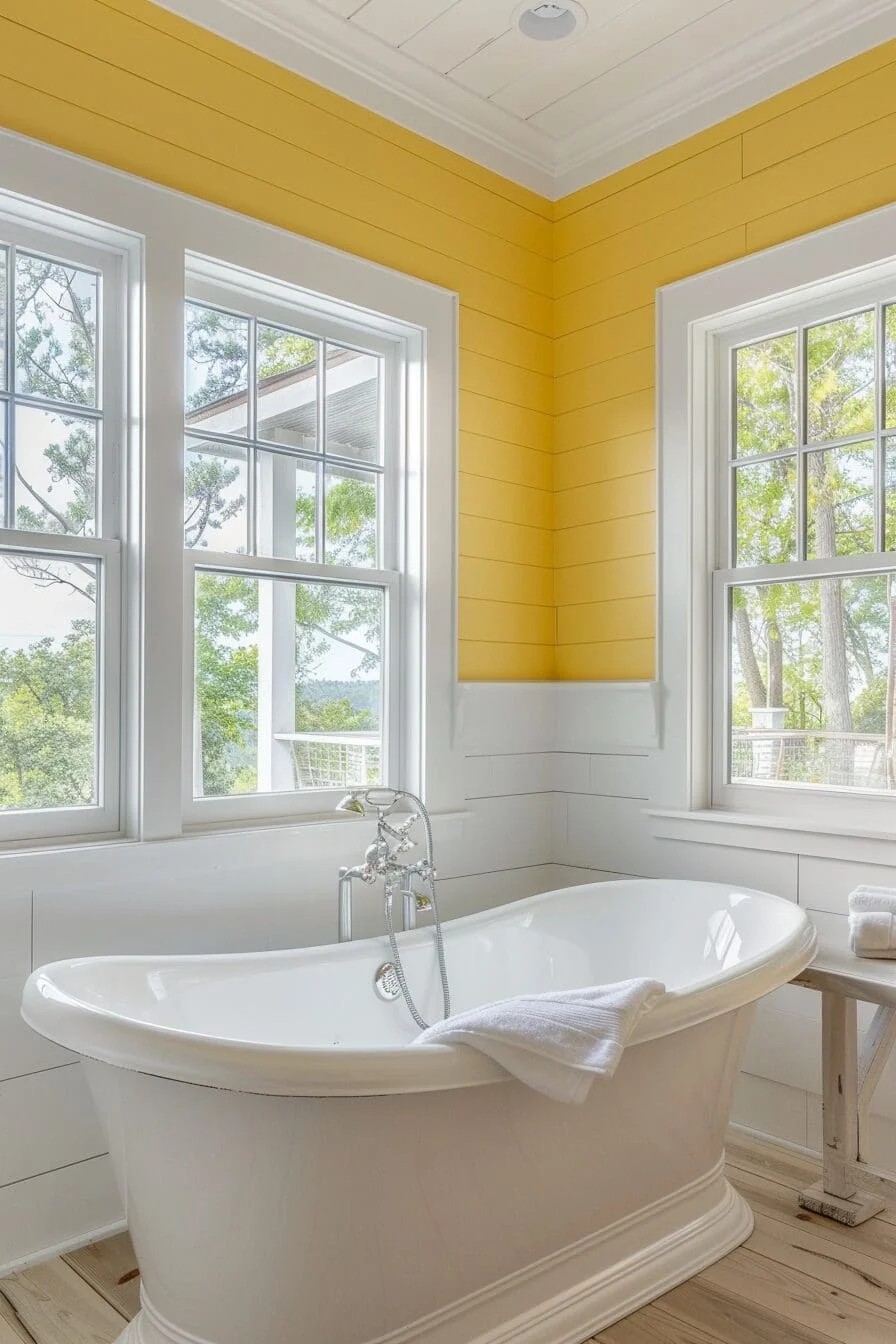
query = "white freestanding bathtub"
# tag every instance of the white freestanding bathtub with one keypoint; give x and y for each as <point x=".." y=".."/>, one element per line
<point x="296" y="1172"/>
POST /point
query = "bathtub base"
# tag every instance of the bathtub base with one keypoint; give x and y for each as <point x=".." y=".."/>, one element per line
<point x="569" y="1296"/>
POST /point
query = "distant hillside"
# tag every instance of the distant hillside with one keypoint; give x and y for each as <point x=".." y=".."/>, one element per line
<point x="359" y="694"/>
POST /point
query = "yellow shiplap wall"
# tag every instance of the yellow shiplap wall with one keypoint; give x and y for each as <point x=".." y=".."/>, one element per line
<point x="557" y="483"/>
<point x="126" y="83"/>
<point x="817" y="154"/>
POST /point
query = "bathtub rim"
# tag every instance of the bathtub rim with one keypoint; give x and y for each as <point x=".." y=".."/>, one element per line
<point x="272" y="1069"/>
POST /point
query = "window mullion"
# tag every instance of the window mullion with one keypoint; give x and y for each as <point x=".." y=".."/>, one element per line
<point x="157" y="531"/>
<point x="9" y="493"/>
<point x="802" y="417"/>
<point x="320" y="530"/>
<point x="880" y="420"/>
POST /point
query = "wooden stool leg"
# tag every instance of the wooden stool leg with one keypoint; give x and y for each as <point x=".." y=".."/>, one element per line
<point x="837" y="1195"/>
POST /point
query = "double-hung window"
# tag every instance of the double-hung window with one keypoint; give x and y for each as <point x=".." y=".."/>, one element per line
<point x="804" y="602"/>
<point x="226" y="516"/>
<point x="292" y="510"/>
<point x="62" y="378"/>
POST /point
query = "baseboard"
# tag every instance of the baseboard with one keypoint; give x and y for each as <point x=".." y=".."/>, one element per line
<point x="570" y="1296"/>
<point x="63" y="1248"/>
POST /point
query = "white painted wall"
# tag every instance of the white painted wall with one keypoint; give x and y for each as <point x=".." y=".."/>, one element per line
<point x="535" y="818"/>
<point x="602" y="824"/>
<point x="226" y="892"/>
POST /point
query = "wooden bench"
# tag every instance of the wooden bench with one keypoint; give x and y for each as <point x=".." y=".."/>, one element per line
<point x="850" y="1190"/>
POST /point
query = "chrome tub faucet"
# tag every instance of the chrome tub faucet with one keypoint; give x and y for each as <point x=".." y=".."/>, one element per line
<point x="383" y="859"/>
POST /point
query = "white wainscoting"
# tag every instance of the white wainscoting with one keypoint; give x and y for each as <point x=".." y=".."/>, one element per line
<point x="554" y="797"/>
<point x="603" y="794"/>
<point x="224" y="892"/>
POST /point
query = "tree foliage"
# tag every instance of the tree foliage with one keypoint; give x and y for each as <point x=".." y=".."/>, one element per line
<point x="48" y="688"/>
<point x="819" y="650"/>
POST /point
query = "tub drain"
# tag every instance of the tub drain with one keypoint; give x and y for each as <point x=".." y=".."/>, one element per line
<point x="385" y="982"/>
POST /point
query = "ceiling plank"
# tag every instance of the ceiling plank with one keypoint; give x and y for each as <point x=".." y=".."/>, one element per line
<point x="344" y="8"/>
<point x="683" y="55"/>
<point x="600" y="48"/>
<point x="394" y="21"/>
<point x="512" y="55"/>
<point x="459" y="32"/>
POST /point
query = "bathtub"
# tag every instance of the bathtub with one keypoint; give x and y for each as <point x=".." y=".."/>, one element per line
<point x="295" y="1171"/>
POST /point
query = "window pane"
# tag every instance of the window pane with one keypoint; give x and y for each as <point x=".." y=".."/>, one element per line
<point x="4" y="291"/>
<point x="4" y="411"/>
<point x="215" y="495"/>
<point x="352" y="523"/>
<point x="809" y="663"/>
<point x="287" y="387"/>
<point x="286" y="506"/>
<point x="288" y="685"/>
<point x="766" y="396"/>
<point x="840" y="501"/>
<point x="56" y="316"/>
<point x="48" y="683"/>
<point x="890" y="363"/>
<point x="55" y="472"/>
<point x="216" y="373"/>
<point x="353" y="404"/>
<point x="890" y="495"/>
<point x="766" y="512"/>
<point x="840" y="378"/>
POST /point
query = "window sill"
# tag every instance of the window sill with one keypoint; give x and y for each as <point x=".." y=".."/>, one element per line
<point x="745" y="830"/>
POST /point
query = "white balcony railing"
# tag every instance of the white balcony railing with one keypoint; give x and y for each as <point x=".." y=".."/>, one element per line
<point x="804" y="756"/>
<point x="334" y="760"/>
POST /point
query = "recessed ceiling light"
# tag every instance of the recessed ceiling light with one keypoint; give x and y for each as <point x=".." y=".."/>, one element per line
<point x="550" y="22"/>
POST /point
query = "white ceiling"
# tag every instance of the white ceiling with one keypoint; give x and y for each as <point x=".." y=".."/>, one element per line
<point x="553" y="116"/>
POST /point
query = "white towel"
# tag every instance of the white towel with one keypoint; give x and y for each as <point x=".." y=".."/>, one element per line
<point x="555" y="1043"/>
<point x="872" y="900"/>
<point x="873" y="934"/>
<point x="872" y="922"/>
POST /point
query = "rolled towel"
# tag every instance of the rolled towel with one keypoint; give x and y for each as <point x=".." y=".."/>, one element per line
<point x="555" y="1043"/>
<point x="872" y="900"/>
<point x="872" y="933"/>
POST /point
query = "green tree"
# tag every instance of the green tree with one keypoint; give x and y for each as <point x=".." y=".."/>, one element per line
<point x="820" y="650"/>
<point x="47" y="690"/>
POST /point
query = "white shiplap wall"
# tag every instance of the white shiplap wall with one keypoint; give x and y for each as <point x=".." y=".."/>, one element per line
<point x="601" y="824"/>
<point x="557" y="781"/>
<point x="238" y="891"/>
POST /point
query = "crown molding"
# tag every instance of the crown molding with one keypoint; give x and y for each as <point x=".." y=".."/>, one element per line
<point x="777" y="60"/>
<point x="303" y="37"/>
<point x="312" y="42"/>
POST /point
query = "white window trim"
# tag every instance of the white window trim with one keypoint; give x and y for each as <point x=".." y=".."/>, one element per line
<point x="399" y="346"/>
<point x="693" y="316"/>
<point x="114" y="255"/>
<point x="158" y="229"/>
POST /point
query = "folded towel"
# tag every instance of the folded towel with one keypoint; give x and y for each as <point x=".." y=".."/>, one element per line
<point x="872" y="900"/>
<point x="873" y="934"/>
<point x="555" y="1043"/>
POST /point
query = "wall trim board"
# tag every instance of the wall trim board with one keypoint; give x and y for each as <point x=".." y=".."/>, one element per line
<point x="563" y="716"/>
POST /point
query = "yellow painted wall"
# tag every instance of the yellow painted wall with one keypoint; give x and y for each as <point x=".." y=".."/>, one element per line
<point x="819" y="153"/>
<point x="128" y="84"/>
<point x="557" y="462"/>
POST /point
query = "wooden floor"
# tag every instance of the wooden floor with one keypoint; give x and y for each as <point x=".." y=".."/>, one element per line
<point x="800" y="1279"/>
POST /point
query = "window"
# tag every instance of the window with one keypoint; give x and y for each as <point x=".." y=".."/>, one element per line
<point x="292" y="496"/>
<point x="227" y="503"/>
<point x="804" y="603"/>
<point x="62" y="362"/>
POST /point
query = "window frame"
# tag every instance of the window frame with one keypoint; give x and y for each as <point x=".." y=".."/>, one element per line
<point x="726" y="576"/>
<point x="43" y="230"/>
<point x="758" y="292"/>
<point x="269" y="301"/>
<point x="156" y="230"/>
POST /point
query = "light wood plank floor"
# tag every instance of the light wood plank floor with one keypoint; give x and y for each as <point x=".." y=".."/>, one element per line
<point x="800" y="1279"/>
